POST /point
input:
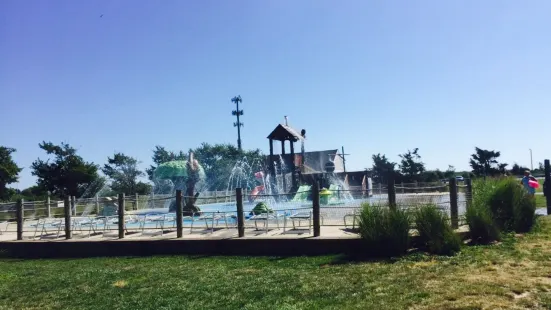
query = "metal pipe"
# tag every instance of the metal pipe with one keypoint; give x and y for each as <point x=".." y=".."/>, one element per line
<point x="531" y="163"/>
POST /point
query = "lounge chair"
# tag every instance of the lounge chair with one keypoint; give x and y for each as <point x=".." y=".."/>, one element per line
<point x="88" y="223"/>
<point x="355" y="218"/>
<point x="48" y="227"/>
<point x="266" y="217"/>
<point x="111" y="224"/>
<point x="6" y="228"/>
<point x="160" y="220"/>
<point x="214" y="218"/>
<point x="305" y="216"/>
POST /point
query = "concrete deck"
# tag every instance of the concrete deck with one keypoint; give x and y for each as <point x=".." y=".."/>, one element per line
<point x="197" y="234"/>
<point x="221" y="241"/>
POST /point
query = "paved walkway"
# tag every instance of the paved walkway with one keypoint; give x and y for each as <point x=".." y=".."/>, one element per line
<point x="218" y="233"/>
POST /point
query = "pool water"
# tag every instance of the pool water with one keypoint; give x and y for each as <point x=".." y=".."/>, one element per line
<point x="334" y="212"/>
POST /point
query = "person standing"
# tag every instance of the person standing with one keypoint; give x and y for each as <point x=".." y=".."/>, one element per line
<point x="525" y="182"/>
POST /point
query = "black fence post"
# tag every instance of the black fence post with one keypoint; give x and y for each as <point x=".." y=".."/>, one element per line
<point x="547" y="186"/>
<point x="121" y="216"/>
<point x="469" y="192"/>
<point x="454" y="214"/>
<point x="391" y="193"/>
<point x="240" y="215"/>
<point x="179" y="213"/>
<point x="316" y="208"/>
<point x="19" y="218"/>
<point x="67" y="212"/>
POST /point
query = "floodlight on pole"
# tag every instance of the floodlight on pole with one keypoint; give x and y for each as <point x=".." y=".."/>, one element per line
<point x="238" y="124"/>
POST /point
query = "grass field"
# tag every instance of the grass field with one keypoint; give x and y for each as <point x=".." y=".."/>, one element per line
<point x="540" y="201"/>
<point x="513" y="274"/>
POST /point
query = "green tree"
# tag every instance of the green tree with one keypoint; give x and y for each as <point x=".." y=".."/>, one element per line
<point x="517" y="170"/>
<point x="539" y="170"/>
<point x="466" y="174"/>
<point x="411" y="165"/>
<point x="124" y="174"/>
<point x="9" y="172"/>
<point x="502" y="168"/>
<point x="218" y="161"/>
<point x="431" y="176"/>
<point x="66" y="173"/>
<point x="450" y="172"/>
<point x="33" y="193"/>
<point x="485" y="163"/>
<point x="382" y="167"/>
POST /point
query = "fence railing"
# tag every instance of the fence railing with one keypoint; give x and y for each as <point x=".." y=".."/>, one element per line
<point x="126" y="215"/>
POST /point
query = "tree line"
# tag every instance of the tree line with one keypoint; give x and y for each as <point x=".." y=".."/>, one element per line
<point x="411" y="168"/>
<point x="66" y="173"/>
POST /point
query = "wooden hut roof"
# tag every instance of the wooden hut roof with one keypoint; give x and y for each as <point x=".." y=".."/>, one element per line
<point x="285" y="133"/>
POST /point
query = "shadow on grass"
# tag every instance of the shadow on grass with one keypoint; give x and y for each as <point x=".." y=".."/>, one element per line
<point x="344" y="259"/>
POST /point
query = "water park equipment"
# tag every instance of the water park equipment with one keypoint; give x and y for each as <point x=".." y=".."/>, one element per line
<point x="260" y="208"/>
<point x="184" y="174"/>
<point x="302" y="194"/>
<point x="255" y="192"/>
<point x="324" y="196"/>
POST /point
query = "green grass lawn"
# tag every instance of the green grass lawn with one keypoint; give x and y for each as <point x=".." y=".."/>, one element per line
<point x="540" y="201"/>
<point x="513" y="274"/>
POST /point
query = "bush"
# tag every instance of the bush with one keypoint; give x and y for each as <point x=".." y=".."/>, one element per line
<point x="482" y="227"/>
<point x="435" y="231"/>
<point x="384" y="230"/>
<point x="524" y="210"/>
<point x="499" y="205"/>
<point x="512" y="207"/>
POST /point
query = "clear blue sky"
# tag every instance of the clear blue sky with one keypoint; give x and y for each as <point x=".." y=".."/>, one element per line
<point x="374" y="76"/>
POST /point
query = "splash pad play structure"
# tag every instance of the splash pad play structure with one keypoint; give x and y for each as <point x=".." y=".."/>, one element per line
<point x="279" y="188"/>
<point x="184" y="175"/>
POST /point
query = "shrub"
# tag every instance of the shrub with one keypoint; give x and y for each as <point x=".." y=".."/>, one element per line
<point x="385" y="231"/>
<point x="499" y="205"/>
<point x="435" y="231"/>
<point x="482" y="226"/>
<point x="524" y="210"/>
<point x="512" y="207"/>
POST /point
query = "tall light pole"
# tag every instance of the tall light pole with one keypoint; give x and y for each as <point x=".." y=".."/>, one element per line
<point x="531" y="163"/>
<point x="237" y="124"/>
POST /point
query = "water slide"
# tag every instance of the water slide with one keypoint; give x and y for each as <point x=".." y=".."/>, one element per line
<point x="255" y="192"/>
<point x="302" y="194"/>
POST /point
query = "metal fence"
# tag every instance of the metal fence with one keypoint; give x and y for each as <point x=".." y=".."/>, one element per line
<point x="155" y="215"/>
<point x="95" y="205"/>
